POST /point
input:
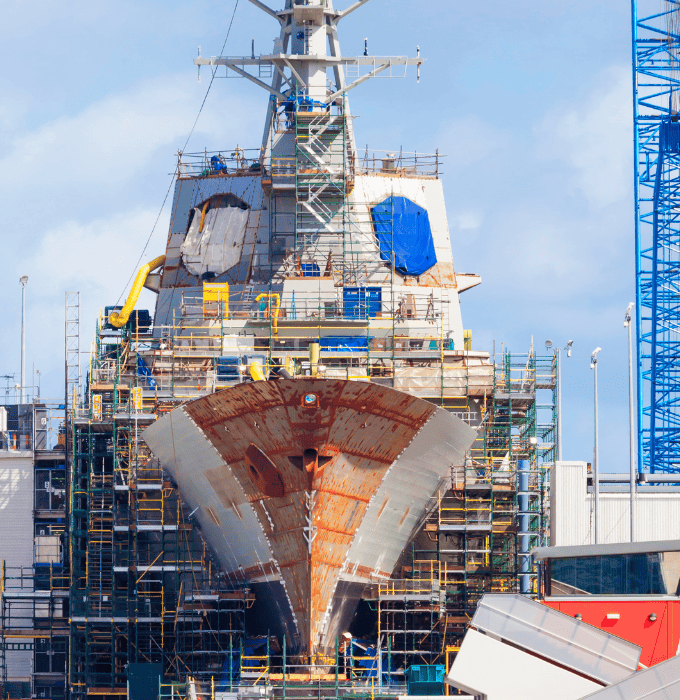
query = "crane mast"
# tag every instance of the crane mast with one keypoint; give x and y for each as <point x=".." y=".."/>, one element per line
<point x="656" y="100"/>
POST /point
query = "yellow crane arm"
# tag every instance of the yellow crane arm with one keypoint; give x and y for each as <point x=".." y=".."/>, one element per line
<point x="119" y="318"/>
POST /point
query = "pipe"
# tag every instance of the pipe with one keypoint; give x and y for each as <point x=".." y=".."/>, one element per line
<point x="284" y="373"/>
<point x="314" y="356"/>
<point x="256" y="371"/>
<point x="273" y="312"/>
<point x="119" y="318"/>
<point x="524" y="524"/>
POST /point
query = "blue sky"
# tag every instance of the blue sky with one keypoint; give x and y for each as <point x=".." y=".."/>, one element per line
<point x="531" y="103"/>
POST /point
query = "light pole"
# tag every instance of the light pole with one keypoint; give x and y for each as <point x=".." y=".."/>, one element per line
<point x="23" y="281"/>
<point x="567" y="347"/>
<point x="596" y="474"/>
<point x="627" y="324"/>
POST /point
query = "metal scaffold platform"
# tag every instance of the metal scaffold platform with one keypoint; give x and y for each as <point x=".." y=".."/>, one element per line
<point x="143" y="588"/>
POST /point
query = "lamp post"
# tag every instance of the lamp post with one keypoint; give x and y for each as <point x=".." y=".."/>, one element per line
<point x="567" y="347"/>
<point x="596" y="474"/>
<point x="627" y="324"/>
<point x="23" y="281"/>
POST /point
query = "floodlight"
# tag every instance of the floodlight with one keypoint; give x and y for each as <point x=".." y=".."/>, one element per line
<point x="627" y="317"/>
<point x="593" y="358"/>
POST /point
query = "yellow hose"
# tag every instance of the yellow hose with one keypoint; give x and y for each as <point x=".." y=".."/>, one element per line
<point x="119" y="318"/>
<point x="275" y="311"/>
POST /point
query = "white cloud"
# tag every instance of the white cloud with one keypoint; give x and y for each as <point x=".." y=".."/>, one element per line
<point x="469" y="140"/>
<point x="468" y="220"/>
<point x="113" y="139"/>
<point x="595" y="140"/>
<point x="95" y="259"/>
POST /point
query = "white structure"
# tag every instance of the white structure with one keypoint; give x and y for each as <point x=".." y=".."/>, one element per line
<point x="16" y="528"/>
<point x="518" y="649"/>
<point x="657" y="513"/>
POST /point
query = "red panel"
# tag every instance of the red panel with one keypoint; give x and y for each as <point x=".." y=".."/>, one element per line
<point x="659" y="639"/>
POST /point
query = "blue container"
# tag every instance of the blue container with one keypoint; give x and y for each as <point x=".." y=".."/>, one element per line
<point x="227" y="368"/>
<point x="425" y="679"/>
<point x="361" y="302"/>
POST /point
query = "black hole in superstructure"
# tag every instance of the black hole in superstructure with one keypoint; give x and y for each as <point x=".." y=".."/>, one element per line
<point x="253" y="471"/>
<point x="310" y="453"/>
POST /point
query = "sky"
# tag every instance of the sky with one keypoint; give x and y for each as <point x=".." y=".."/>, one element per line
<point x="530" y="103"/>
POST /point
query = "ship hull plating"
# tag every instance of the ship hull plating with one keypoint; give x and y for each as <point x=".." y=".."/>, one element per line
<point x="309" y="488"/>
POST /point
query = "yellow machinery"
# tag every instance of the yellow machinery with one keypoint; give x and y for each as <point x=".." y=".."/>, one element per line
<point x="216" y="299"/>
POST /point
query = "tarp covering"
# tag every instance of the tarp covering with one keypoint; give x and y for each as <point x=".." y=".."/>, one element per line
<point x="400" y="222"/>
<point x="344" y="343"/>
<point x="218" y="246"/>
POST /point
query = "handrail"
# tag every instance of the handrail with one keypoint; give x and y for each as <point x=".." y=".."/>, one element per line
<point x="119" y="318"/>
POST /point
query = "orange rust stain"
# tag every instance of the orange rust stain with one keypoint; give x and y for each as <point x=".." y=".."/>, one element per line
<point x="382" y="508"/>
<point x="403" y="517"/>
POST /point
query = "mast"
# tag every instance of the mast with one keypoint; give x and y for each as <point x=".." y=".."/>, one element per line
<point x="306" y="51"/>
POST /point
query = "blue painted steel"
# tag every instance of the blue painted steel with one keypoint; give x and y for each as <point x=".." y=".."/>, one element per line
<point x="425" y="679"/>
<point x="402" y="226"/>
<point x="360" y="302"/>
<point x="656" y="97"/>
<point x="310" y="270"/>
<point x="523" y="473"/>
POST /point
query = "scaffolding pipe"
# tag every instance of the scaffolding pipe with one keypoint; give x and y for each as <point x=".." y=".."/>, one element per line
<point x="524" y="547"/>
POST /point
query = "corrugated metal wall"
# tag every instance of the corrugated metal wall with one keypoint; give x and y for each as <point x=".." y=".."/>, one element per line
<point x="571" y="511"/>
<point x="16" y="534"/>
<point x="16" y="509"/>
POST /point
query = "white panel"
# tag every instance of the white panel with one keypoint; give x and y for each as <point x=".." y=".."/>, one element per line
<point x="657" y="514"/>
<point x="660" y="682"/>
<point x="436" y="208"/>
<point x="16" y="510"/>
<point x="16" y="535"/>
<point x="188" y="455"/>
<point x="485" y="666"/>
<point x="401" y="502"/>
<point x="553" y="635"/>
<point x="218" y="246"/>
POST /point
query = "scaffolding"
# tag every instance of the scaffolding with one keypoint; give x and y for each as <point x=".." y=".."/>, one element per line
<point x="481" y="530"/>
<point x="34" y="625"/>
<point x="143" y="588"/>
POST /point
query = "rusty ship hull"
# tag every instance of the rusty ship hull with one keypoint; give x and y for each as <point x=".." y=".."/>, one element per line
<point x="309" y="489"/>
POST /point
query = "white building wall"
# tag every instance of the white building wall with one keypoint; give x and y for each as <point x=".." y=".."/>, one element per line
<point x="571" y="511"/>
<point x="16" y="508"/>
<point x="16" y="535"/>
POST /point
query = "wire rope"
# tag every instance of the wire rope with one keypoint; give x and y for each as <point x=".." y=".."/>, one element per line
<point x="174" y="175"/>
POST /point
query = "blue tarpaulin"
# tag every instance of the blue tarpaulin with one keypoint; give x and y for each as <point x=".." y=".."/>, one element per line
<point x="344" y="343"/>
<point x="144" y="371"/>
<point x="401" y="223"/>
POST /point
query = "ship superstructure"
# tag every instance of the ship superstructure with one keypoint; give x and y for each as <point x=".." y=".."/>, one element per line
<point x="289" y="435"/>
<point x="308" y="388"/>
<point x="308" y="261"/>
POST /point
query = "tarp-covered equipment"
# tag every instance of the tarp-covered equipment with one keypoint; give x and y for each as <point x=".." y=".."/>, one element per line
<point x="402" y="227"/>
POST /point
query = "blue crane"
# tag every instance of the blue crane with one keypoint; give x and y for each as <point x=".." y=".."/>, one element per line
<point x="656" y="104"/>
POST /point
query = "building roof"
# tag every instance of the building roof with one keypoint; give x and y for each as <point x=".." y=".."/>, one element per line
<point x="601" y="550"/>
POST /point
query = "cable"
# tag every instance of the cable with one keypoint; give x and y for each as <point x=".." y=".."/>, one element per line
<point x="174" y="175"/>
